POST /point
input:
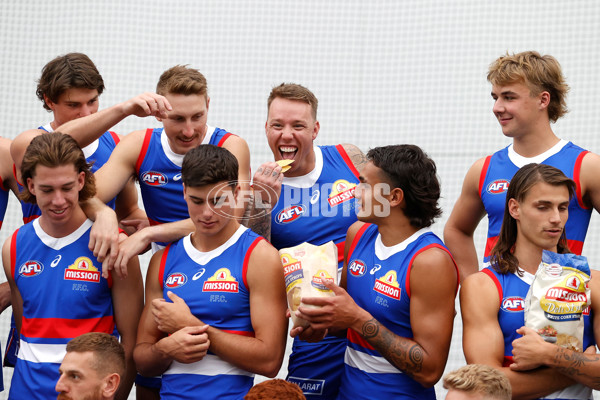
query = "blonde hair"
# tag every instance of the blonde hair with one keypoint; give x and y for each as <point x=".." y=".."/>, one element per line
<point x="181" y="79"/>
<point x="481" y="379"/>
<point x="293" y="91"/>
<point x="539" y="73"/>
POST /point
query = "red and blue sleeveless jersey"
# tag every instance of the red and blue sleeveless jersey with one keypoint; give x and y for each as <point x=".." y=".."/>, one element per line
<point x="512" y="291"/>
<point x="499" y="169"/>
<point x="213" y="285"/>
<point x="158" y="170"/>
<point x="98" y="153"/>
<point x="317" y="207"/>
<point x="378" y="280"/>
<point x="3" y="201"/>
<point x="64" y="296"/>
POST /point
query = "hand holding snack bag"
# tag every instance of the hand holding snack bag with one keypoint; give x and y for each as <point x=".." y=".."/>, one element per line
<point x="305" y="267"/>
<point x="557" y="298"/>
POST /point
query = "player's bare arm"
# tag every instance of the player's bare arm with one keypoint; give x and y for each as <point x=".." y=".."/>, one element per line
<point x="588" y="179"/>
<point x="15" y="295"/>
<point x="87" y="129"/>
<point x="266" y="190"/>
<point x="466" y="214"/>
<point x="356" y="156"/>
<point x="483" y="342"/>
<point x="128" y="302"/>
<point x="18" y="147"/>
<point x="155" y="351"/>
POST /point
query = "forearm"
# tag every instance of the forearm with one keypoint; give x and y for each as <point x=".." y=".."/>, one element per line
<point x="86" y="130"/>
<point x="168" y="232"/>
<point x="4" y="296"/>
<point x="248" y="353"/>
<point x="536" y="383"/>
<point x="581" y="367"/>
<point x="403" y="353"/>
<point x="150" y="360"/>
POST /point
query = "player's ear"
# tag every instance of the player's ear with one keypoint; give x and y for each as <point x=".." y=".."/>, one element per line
<point x="51" y="105"/>
<point x="514" y="208"/>
<point x="30" y="186"/>
<point x="110" y="384"/>
<point x="315" y="132"/>
<point x="544" y="99"/>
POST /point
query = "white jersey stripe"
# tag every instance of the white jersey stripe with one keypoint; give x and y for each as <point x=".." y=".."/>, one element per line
<point x="42" y="353"/>
<point x="210" y="365"/>
<point x="368" y="363"/>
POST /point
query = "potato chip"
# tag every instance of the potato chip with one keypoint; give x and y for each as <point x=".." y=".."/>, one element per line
<point x="284" y="164"/>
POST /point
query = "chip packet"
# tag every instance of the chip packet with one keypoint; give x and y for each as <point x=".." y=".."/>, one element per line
<point x="557" y="298"/>
<point x="305" y="267"/>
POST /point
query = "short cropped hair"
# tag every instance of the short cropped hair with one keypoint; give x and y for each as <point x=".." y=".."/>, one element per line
<point x="539" y="73"/>
<point x="275" y="389"/>
<point x="69" y="71"/>
<point x="408" y="167"/>
<point x="480" y="379"/>
<point x="109" y="355"/>
<point x="182" y="79"/>
<point x="53" y="150"/>
<point x="208" y="164"/>
<point x="293" y="91"/>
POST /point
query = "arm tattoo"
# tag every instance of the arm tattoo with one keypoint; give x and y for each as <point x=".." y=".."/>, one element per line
<point x="356" y="156"/>
<point x="258" y="219"/>
<point x="573" y="364"/>
<point x="401" y="352"/>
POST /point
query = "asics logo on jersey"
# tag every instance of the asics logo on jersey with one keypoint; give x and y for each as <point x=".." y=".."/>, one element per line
<point x="31" y="268"/>
<point x="498" y="186"/>
<point x="177" y="177"/>
<point x="198" y="274"/>
<point x="153" y="178"/>
<point x="175" y="280"/>
<point x="315" y="197"/>
<point x="56" y="261"/>
<point x="376" y="268"/>
<point x="513" y="304"/>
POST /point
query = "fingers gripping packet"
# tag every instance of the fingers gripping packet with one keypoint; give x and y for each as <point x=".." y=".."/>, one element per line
<point x="305" y="267"/>
<point x="557" y="298"/>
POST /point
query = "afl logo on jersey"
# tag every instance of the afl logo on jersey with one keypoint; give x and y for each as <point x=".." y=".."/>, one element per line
<point x="290" y="214"/>
<point x="357" y="268"/>
<point x="31" y="268"/>
<point x="513" y="304"/>
<point x="175" y="280"/>
<point x="153" y="178"/>
<point x="498" y="186"/>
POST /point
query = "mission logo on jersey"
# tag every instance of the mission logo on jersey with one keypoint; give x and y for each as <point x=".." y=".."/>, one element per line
<point x="175" y="280"/>
<point x="153" y="178"/>
<point x="342" y="191"/>
<point x="82" y="270"/>
<point x="221" y="281"/>
<point x="31" y="268"/>
<point x="388" y="285"/>
<point x="498" y="186"/>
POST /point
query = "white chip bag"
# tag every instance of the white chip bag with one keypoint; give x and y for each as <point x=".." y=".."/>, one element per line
<point x="305" y="267"/>
<point x="557" y="298"/>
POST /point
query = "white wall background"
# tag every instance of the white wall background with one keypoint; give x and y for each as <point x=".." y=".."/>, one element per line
<point x="385" y="72"/>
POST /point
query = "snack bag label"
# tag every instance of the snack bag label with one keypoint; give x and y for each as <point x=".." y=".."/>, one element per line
<point x="565" y="301"/>
<point x="292" y="271"/>
<point x="319" y="277"/>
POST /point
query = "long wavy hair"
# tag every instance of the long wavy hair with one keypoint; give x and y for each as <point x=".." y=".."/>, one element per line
<point x="502" y="258"/>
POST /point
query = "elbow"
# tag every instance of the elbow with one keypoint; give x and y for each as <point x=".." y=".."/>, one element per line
<point x="270" y="368"/>
<point x="428" y="379"/>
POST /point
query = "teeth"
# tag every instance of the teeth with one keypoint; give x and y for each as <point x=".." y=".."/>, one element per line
<point x="287" y="149"/>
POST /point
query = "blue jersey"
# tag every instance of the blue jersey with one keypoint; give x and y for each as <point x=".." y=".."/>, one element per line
<point x="213" y="285"/>
<point x="317" y="208"/>
<point x="378" y="280"/>
<point x="3" y="200"/>
<point x="96" y="153"/>
<point x="512" y="291"/>
<point x="499" y="169"/>
<point x="64" y="296"/>
<point x="158" y="170"/>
